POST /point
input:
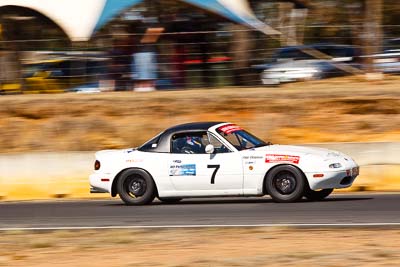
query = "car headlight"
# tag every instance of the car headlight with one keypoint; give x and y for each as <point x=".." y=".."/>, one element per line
<point x="335" y="165"/>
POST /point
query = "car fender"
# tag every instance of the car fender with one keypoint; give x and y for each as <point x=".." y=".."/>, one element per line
<point x="268" y="171"/>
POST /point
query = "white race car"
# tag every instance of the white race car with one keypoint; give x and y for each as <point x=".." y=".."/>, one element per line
<point x="209" y="159"/>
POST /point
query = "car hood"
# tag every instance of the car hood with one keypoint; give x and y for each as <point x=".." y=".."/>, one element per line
<point x="299" y="150"/>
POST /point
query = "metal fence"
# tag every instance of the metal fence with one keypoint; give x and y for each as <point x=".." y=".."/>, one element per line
<point x="177" y="60"/>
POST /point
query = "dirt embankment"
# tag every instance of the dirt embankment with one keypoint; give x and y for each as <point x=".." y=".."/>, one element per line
<point x="338" y="110"/>
<point x="202" y="247"/>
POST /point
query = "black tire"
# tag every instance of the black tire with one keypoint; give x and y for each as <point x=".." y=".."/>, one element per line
<point x="136" y="187"/>
<point x="170" y="200"/>
<point x="317" y="195"/>
<point x="285" y="183"/>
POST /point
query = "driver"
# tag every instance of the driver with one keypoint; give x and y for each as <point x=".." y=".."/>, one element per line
<point x="194" y="144"/>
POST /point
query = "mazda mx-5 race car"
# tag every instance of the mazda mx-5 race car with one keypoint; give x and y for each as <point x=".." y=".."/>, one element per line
<point x="209" y="159"/>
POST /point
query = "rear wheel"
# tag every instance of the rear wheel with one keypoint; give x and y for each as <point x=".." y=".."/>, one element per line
<point x="136" y="187"/>
<point x="317" y="195"/>
<point x="285" y="183"/>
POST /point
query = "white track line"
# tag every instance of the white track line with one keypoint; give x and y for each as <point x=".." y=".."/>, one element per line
<point x="294" y="225"/>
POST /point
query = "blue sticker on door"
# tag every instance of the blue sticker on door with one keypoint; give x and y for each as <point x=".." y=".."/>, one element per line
<point x="182" y="170"/>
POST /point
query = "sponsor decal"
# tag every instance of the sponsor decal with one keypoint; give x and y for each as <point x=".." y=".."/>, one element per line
<point x="253" y="157"/>
<point x="182" y="170"/>
<point x="134" y="160"/>
<point x="274" y="158"/>
<point x="230" y="128"/>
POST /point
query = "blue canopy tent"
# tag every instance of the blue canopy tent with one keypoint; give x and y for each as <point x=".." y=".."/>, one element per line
<point x="113" y="8"/>
<point x="81" y="19"/>
<point x="234" y="10"/>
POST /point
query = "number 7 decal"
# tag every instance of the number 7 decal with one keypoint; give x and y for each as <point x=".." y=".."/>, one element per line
<point x="214" y="173"/>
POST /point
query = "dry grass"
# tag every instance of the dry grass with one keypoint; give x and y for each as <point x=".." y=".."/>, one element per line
<point x="203" y="247"/>
<point x="338" y="110"/>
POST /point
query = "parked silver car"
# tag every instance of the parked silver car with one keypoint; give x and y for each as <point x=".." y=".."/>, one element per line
<point x="293" y="64"/>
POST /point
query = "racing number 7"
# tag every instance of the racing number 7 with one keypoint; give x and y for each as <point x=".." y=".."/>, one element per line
<point x="214" y="173"/>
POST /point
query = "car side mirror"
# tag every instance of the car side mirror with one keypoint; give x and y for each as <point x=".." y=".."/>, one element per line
<point x="209" y="149"/>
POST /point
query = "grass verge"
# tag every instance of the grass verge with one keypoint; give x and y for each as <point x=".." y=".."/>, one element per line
<point x="202" y="247"/>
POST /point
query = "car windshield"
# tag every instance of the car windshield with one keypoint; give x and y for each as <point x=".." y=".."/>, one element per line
<point x="240" y="138"/>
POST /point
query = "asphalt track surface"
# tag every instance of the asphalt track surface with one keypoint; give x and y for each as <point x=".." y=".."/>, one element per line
<point x="343" y="209"/>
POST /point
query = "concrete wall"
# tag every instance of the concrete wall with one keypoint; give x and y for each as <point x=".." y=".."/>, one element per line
<point x="44" y="175"/>
<point x="65" y="174"/>
<point x="374" y="153"/>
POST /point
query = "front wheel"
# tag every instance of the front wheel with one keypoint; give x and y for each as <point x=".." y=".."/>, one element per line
<point x="285" y="183"/>
<point x="317" y="195"/>
<point x="136" y="187"/>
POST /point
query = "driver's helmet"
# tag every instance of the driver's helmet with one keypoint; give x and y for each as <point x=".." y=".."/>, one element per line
<point x="194" y="142"/>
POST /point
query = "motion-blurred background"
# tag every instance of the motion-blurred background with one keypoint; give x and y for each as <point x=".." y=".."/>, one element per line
<point x="313" y="72"/>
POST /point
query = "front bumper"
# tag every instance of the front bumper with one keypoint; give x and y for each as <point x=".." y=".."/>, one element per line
<point x="333" y="179"/>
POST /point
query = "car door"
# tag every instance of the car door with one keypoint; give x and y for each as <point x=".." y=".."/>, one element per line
<point x="195" y="173"/>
